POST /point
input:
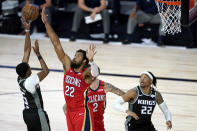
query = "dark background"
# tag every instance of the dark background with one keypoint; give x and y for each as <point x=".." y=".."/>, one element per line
<point x="62" y="16"/>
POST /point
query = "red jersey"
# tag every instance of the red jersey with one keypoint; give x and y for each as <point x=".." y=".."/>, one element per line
<point x="75" y="89"/>
<point x="96" y="99"/>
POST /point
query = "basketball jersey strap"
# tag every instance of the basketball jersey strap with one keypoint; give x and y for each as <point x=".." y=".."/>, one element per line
<point x="139" y="90"/>
<point x="153" y="91"/>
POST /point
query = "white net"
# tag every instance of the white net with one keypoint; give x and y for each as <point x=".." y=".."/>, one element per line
<point x="170" y="13"/>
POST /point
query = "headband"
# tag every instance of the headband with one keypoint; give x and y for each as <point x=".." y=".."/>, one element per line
<point x="148" y="74"/>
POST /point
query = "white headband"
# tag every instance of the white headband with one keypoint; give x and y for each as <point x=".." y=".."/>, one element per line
<point x="148" y="74"/>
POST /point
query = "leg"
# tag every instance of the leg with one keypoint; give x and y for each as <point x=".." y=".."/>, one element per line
<point x="106" y="21"/>
<point x="78" y="16"/>
<point x="139" y="18"/>
<point x="157" y="20"/>
<point x="106" y="24"/>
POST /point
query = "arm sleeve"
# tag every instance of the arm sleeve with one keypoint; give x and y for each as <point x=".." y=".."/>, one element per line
<point x="165" y="111"/>
<point x="31" y="82"/>
<point x="117" y="104"/>
<point x="94" y="69"/>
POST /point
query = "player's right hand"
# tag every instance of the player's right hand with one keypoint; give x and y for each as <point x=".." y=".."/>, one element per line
<point x="133" y="114"/>
<point x="25" y="23"/>
<point x="169" y="124"/>
<point x="36" y="48"/>
<point x="44" y="16"/>
<point x="91" y="52"/>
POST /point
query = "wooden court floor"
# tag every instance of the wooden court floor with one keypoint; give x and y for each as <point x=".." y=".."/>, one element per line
<point x="176" y="64"/>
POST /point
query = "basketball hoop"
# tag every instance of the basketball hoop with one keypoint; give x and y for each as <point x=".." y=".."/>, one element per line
<point x="170" y="13"/>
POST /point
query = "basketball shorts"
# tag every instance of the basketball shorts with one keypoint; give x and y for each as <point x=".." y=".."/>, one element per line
<point x="36" y="120"/>
<point x="80" y="119"/>
<point x="130" y="126"/>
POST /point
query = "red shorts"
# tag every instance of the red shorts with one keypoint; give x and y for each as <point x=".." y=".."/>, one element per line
<point x="80" y="119"/>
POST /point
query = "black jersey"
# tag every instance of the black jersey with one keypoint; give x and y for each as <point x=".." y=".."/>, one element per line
<point x="31" y="101"/>
<point x="143" y="106"/>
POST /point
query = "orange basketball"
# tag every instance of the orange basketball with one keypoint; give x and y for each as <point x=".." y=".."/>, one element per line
<point x="30" y="12"/>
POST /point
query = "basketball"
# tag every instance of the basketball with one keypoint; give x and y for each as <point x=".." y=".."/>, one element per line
<point x="30" y="12"/>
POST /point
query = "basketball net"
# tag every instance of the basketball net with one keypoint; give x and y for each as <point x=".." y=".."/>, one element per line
<point x="170" y="13"/>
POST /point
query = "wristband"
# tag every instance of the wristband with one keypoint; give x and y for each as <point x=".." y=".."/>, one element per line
<point x="39" y="57"/>
<point x="26" y="30"/>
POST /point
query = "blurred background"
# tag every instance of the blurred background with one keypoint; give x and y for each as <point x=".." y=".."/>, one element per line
<point x="62" y="12"/>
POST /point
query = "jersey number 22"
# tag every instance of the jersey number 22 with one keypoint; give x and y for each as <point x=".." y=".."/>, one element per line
<point x="69" y="91"/>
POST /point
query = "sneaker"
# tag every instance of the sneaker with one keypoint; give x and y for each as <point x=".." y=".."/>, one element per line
<point x="128" y="39"/>
<point x="73" y="36"/>
<point x="191" y="45"/>
<point x="106" y="39"/>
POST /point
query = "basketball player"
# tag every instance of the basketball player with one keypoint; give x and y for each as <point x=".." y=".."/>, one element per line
<point x="34" y="115"/>
<point x="97" y="99"/>
<point x="77" y="78"/>
<point x="142" y="101"/>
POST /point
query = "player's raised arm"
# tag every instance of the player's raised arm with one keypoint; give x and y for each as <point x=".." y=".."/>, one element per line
<point x="27" y="47"/>
<point x="164" y="109"/>
<point x="94" y="70"/>
<point x="45" y="70"/>
<point x="64" y="58"/>
<point x="111" y="88"/>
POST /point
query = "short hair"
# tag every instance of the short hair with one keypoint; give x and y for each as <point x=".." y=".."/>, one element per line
<point x="21" y="69"/>
<point x="154" y="78"/>
<point x="84" y="55"/>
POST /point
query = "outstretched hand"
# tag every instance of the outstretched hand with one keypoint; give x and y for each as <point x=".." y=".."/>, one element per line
<point x="25" y="23"/>
<point x="133" y="114"/>
<point x="36" y="48"/>
<point x="44" y="16"/>
<point x="91" y="52"/>
<point x="169" y="125"/>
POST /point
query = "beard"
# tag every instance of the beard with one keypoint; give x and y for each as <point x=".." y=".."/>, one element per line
<point x="74" y="65"/>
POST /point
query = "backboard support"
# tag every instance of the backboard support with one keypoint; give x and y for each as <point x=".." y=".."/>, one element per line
<point x="188" y="12"/>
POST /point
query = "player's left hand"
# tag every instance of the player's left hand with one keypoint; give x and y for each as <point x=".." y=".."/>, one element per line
<point x="36" y="48"/>
<point x="133" y="114"/>
<point x="169" y="125"/>
<point x="91" y="52"/>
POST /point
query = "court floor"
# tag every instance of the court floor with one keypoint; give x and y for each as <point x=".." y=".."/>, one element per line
<point x="120" y="65"/>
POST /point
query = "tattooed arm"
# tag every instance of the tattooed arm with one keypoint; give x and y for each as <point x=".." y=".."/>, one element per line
<point x="111" y="88"/>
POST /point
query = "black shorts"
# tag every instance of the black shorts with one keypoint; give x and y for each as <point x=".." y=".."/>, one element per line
<point x="139" y="127"/>
<point x="36" y="120"/>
